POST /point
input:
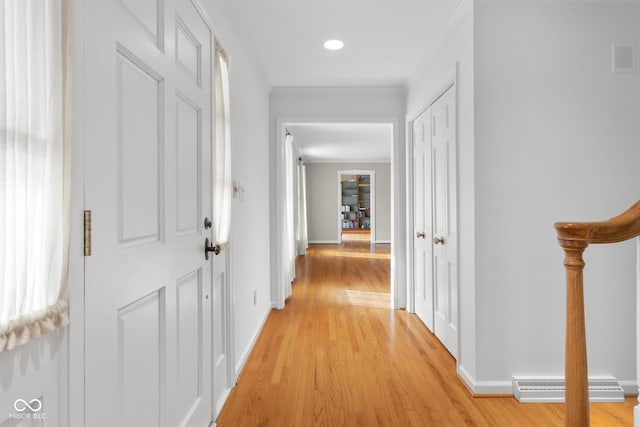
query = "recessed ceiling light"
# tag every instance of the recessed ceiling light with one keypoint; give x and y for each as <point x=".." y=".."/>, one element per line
<point x="333" y="44"/>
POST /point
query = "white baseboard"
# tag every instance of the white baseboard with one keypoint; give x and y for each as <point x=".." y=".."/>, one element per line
<point x="466" y="377"/>
<point x="484" y="387"/>
<point x="221" y="401"/>
<point x="254" y="338"/>
<point x="636" y="416"/>
<point x="383" y="241"/>
<point x="492" y="387"/>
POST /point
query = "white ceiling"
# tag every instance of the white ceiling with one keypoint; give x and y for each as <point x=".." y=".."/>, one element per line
<point x="385" y="41"/>
<point x="343" y="142"/>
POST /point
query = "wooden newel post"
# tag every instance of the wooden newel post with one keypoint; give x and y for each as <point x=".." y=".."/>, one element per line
<point x="576" y="376"/>
<point x="574" y="237"/>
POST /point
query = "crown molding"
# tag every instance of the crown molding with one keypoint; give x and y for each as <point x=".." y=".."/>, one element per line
<point x="463" y="7"/>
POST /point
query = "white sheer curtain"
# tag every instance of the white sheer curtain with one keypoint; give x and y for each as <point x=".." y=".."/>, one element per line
<point x="222" y="183"/>
<point x="34" y="170"/>
<point x="289" y="238"/>
<point x="303" y="238"/>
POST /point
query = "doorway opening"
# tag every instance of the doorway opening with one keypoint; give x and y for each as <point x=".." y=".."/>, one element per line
<point x="327" y="145"/>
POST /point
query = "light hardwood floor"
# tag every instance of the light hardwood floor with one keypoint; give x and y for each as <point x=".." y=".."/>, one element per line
<point x="337" y="355"/>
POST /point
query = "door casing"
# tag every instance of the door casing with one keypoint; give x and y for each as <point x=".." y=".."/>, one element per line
<point x="277" y="280"/>
<point x="449" y="80"/>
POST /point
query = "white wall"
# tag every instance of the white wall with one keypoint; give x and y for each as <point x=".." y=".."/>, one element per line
<point x="356" y="105"/>
<point x="456" y="53"/>
<point x="37" y="370"/>
<point x="250" y="166"/>
<point x="322" y="199"/>
<point x="556" y="139"/>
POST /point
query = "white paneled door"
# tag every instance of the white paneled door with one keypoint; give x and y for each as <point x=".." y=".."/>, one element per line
<point x="422" y="213"/>
<point x="147" y="97"/>
<point x="435" y="225"/>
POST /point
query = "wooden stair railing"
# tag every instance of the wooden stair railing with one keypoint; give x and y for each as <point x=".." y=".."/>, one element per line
<point x="574" y="237"/>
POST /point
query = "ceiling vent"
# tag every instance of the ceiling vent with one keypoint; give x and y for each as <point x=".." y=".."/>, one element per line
<point x="545" y="390"/>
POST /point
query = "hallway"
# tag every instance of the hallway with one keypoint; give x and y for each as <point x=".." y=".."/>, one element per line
<point x="338" y="355"/>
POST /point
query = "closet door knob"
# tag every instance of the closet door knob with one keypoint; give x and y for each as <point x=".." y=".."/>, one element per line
<point x="438" y="240"/>
<point x="420" y="235"/>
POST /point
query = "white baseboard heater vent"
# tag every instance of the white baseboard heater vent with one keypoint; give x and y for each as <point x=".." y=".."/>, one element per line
<point x="543" y="390"/>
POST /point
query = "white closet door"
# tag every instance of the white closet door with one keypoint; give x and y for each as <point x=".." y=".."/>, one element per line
<point x="422" y="234"/>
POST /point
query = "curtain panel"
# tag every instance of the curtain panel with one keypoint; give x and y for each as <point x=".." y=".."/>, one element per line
<point x="303" y="238"/>
<point x="289" y="235"/>
<point x="222" y="183"/>
<point x="34" y="168"/>
<point x="304" y="213"/>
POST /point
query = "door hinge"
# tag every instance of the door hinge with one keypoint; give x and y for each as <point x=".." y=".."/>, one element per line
<point x="87" y="233"/>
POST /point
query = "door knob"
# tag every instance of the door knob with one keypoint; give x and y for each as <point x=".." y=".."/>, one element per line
<point x="438" y="240"/>
<point x="207" y="223"/>
<point x="420" y="235"/>
<point x="210" y="247"/>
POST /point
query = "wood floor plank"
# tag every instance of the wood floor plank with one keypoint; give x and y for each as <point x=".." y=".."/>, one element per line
<point x="337" y="355"/>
